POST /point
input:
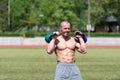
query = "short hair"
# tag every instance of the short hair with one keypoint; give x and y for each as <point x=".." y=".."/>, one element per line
<point x="64" y="22"/>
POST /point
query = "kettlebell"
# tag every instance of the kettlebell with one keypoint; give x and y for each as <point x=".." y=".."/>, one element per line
<point x="48" y="37"/>
<point x="81" y="34"/>
<point x="84" y="38"/>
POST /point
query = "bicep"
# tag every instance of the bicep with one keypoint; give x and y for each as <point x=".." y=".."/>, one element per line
<point x="79" y="48"/>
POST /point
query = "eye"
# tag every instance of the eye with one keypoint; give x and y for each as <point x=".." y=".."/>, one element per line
<point x="67" y="28"/>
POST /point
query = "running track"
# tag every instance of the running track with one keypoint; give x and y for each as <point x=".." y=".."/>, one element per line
<point x="44" y="46"/>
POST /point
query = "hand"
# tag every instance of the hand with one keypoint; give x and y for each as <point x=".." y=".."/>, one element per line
<point x="78" y="35"/>
<point x="49" y="37"/>
<point x="56" y="34"/>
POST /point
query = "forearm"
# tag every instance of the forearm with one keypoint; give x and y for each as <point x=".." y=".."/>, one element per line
<point x="51" y="46"/>
<point x="82" y="47"/>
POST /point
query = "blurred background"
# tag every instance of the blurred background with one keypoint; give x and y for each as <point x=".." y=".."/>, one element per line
<point x="39" y="15"/>
<point x="33" y="18"/>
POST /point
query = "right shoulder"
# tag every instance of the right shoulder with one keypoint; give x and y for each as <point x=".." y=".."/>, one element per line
<point x="57" y="40"/>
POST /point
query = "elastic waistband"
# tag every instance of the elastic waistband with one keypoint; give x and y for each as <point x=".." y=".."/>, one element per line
<point x="66" y="64"/>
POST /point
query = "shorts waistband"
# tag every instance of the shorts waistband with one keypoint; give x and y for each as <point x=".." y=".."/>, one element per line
<point x="67" y="64"/>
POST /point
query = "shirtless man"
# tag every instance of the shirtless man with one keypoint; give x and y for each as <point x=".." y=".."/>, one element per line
<point x="64" y="47"/>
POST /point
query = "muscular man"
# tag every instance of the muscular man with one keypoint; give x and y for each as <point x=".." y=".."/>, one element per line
<point x="64" y="47"/>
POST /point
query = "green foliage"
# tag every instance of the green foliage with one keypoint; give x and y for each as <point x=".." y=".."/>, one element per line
<point x="26" y="33"/>
<point x="3" y="15"/>
<point x="43" y="33"/>
<point x="26" y="13"/>
<point x="8" y="34"/>
<point x="101" y="34"/>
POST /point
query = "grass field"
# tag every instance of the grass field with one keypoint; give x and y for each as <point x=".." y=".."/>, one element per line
<point x="36" y="64"/>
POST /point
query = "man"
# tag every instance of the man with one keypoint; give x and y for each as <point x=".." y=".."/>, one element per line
<point x="64" y="47"/>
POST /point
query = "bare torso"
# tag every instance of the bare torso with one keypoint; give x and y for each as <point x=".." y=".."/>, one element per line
<point x="65" y="50"/>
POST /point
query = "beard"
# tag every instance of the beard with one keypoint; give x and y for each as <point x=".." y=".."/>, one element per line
<point x="66" y="34"/>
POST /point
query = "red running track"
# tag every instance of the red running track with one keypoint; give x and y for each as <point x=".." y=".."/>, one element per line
<point x="44" y="46"/>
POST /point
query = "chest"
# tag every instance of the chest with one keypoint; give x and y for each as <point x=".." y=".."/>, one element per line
<point x="63" y="44"/>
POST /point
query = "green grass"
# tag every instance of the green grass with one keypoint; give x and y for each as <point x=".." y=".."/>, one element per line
<point x="36" y="64"/>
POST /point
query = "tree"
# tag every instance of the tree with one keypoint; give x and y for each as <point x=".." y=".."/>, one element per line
<point x="59" y="10"/>
<point x="25" y="13"/>
<point x="3" y="15"/>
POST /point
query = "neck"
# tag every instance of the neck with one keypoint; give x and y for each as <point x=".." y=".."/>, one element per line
<point x="66" y="37"/>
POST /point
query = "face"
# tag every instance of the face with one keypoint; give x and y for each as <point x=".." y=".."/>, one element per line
<point x="65" y="28"/>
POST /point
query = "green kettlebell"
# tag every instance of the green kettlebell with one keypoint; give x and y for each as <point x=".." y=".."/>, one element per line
<point x="48" y="37"/>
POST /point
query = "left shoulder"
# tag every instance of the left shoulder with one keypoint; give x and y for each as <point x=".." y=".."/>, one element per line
<point x="72" y="38"/>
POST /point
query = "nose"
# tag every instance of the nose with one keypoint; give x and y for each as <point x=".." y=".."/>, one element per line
<point x="68" y="29"/>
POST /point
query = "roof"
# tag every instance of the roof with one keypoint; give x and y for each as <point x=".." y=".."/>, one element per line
<point x="111" y="18"/>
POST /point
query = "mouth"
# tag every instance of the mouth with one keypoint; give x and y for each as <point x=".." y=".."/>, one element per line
<point x="66" y="33"/>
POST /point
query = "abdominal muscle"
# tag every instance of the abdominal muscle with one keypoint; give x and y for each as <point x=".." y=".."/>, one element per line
<point x="66" y="55"/>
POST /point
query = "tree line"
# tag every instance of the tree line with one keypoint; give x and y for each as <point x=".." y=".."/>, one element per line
<point x="29" y="13"/>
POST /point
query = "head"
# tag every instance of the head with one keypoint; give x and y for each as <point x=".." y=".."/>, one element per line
<point x="65" y="28"/>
